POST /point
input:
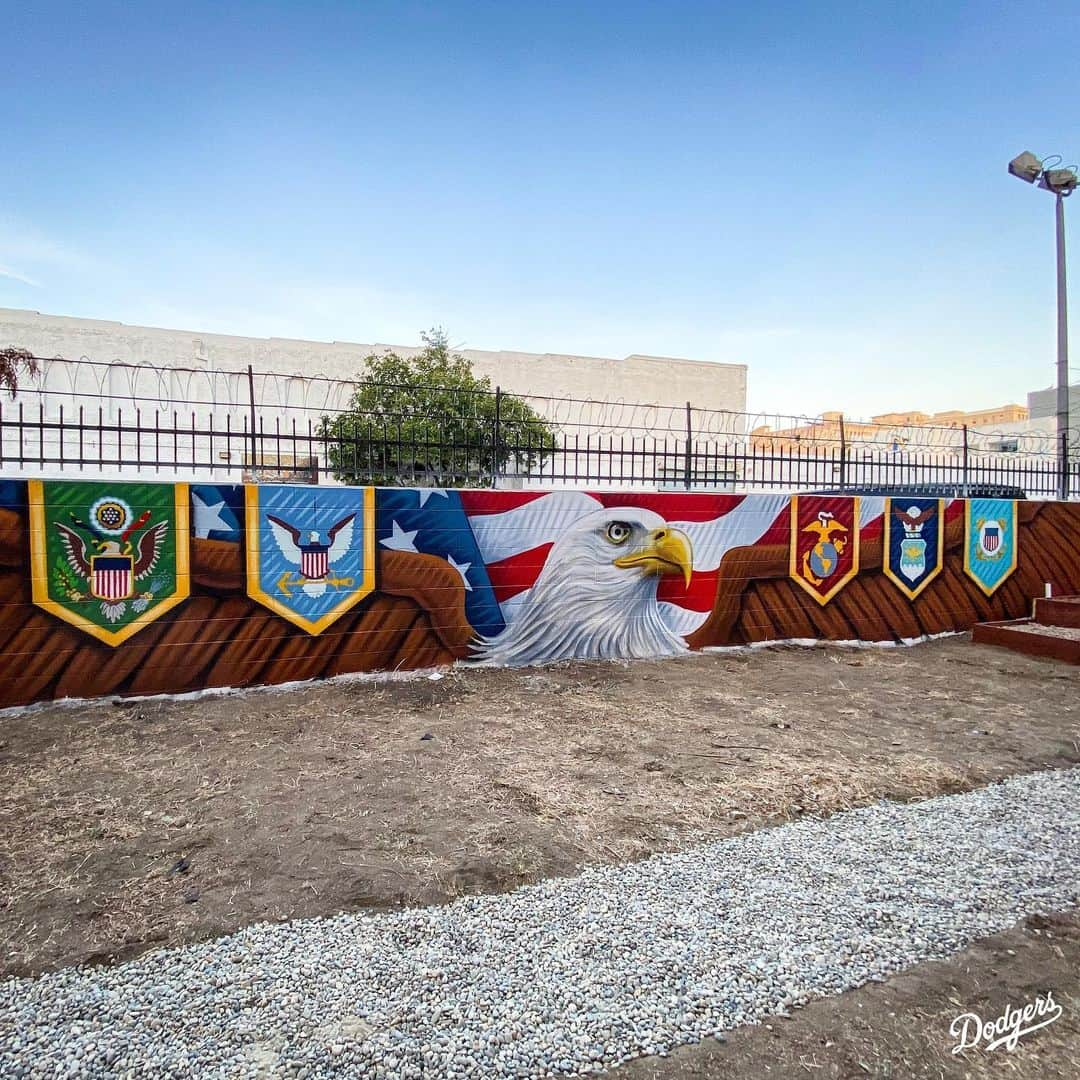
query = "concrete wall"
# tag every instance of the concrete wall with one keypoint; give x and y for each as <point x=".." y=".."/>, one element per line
<point x="141" y="588"/>
<point x="646" y="379"/>
<point x="204" y="382"/>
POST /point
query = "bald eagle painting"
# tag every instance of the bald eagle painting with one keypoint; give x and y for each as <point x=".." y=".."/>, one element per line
<point x="595" y="597"/>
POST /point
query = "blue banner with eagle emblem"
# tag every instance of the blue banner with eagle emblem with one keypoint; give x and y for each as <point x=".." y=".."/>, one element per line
<point x="913" y="543"/>
<point x="989" y="542"/>
<point x="310" y="550"/>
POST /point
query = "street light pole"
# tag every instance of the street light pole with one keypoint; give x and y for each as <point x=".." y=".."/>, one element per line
<point x="1062" y="353"/>
<point x="1060" y="183"/>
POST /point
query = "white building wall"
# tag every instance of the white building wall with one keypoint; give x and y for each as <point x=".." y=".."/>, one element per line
<point x="651" y="379"/>
<point x="209" y="372"/>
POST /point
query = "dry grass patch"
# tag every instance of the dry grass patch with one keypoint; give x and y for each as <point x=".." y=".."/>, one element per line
<point x="361" y="795"/>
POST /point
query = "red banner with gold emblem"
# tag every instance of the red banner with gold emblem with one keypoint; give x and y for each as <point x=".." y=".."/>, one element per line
<point x="824" y="543"/>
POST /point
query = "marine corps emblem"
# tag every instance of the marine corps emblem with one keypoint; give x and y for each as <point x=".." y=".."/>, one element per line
<point x="824" y="543"/>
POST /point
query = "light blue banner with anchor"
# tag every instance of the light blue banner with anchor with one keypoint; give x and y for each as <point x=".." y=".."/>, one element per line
<point x="310" y="550"/>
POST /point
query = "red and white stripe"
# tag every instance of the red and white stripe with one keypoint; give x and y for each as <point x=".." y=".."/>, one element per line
<point x="515" y="532"/>
<point x="314" y="564"/>
<point x="112" y="584"/>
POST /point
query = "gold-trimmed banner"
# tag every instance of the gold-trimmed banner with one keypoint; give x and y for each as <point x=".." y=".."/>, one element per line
<point x="107" y="556"/>
<point x="913" y="543"/>
<point x="824" y="543"/>
<point x="310" y="550"/>
<point x="990" y="542"/>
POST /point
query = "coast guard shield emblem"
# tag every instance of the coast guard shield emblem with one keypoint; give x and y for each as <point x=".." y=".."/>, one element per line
<point x="824" y="543"/>
<point x="310" y="550"/>
<point x="914" y="543"/>
<point x="108" y="557"/>
<point x="989" y="541"/>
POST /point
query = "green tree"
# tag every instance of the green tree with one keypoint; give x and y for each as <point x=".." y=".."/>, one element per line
<point x="13" y="361"/>
<point x="428" y="420"/>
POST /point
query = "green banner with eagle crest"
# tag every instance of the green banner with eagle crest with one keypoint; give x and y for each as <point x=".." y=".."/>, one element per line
<point x="108" y="557"/>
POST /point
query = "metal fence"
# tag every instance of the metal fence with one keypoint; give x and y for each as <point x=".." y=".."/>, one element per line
<point x="123" y="420"/>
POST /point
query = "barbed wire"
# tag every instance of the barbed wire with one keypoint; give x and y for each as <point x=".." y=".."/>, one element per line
<point x="116" y="385"/>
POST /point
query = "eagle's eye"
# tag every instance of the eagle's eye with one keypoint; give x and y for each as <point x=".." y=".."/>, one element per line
<point x="618" y="532"/>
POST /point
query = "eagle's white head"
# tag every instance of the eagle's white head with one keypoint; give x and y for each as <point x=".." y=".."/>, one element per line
<point x="595" y="598"/>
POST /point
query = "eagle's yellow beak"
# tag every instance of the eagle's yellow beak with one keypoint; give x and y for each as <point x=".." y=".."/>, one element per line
<point x="668" y="551"/>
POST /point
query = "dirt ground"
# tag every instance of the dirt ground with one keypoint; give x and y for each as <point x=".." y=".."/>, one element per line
<point x="900" y="1028"/>
<point x="130" y="824"/>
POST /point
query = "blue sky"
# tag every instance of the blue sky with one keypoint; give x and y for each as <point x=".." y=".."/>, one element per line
<point x="816" y="190"/>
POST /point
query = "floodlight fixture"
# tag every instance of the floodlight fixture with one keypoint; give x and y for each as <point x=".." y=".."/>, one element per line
<point x="1060" y="182"/>
<point x="1026" y="166"/>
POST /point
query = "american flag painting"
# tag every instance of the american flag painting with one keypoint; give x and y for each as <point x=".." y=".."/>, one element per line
<point x="110" y="576"/>
<point x="431" y="521"/>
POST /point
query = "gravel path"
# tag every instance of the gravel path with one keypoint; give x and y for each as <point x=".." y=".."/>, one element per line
<point x="569" y="975"/>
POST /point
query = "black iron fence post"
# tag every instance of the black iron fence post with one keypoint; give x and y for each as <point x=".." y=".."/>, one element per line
<point x="964" y="490"/>
<point x="843" y="454"/>
<point x="497" y="447"/>
<point x="252" y="453"/>
<point x="1063" y="484"/>
<point x="688" y="464"/>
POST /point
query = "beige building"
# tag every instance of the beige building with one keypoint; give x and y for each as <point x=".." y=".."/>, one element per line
<point x="651" y="380"/>
<point x="903" y="428"/>
<point x="200" y="375"/>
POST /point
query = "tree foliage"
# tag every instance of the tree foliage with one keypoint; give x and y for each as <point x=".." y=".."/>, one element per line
<point x="14" y="362"/>
<point x="428" y="420"/>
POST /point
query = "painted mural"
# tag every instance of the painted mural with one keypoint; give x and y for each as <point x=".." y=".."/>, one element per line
<point x="310" y="550"/>
<point x="136" y="588"/>
<point x="913" y="546"/>
<point x="990" y="542"/>
<point x="109" y="558"/>
<point x="824" y="543"/>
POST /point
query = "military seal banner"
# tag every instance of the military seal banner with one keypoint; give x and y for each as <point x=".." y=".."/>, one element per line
<point x="989" y="542"/>
<point x="914" y="543"/>
<point x="108" y="557"/>
<point x="310" y="550"/>
<point x="824" y="543"/>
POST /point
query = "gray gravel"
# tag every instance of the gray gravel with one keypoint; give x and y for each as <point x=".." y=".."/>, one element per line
<point x="571" y="975"/>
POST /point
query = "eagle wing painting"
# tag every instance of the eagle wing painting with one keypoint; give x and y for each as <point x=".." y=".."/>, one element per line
<point x="340" y="537"/>
<point x="149" y="548"/>
<point x="913" y="517"/>
<point x="595" y="597"/>
<point x="74" y="550"/>
<point x="289" y="538"/>
<point x="290" y="543"/>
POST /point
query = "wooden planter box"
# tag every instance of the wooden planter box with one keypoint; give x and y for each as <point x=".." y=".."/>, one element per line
<point x="1010" y="635"/>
